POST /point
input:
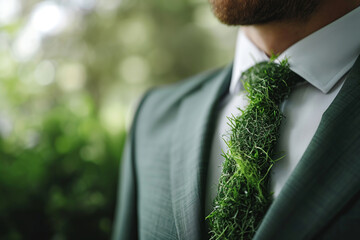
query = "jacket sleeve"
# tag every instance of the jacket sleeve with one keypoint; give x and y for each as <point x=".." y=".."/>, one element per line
<point x="126" y="223"/>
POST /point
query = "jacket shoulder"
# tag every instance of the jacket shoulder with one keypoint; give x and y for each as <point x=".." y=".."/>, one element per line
<point x="160" y="100"/>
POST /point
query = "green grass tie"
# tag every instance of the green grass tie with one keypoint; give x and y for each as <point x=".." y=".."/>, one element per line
<point x="243" y="193"/>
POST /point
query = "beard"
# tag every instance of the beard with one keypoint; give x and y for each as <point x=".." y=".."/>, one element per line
<point x="249" y="12"/>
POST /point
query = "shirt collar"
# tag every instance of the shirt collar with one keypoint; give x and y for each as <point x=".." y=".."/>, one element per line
<point x="321" y="58"/>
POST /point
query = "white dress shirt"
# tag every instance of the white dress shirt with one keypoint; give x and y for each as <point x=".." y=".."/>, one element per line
<point x="322" y="59"/>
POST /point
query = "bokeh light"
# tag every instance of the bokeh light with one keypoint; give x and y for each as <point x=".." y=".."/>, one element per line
<point x="9" y="11"/>
<point x="47" y="18"/>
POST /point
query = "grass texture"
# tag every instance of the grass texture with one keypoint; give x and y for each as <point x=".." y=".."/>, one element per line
<point x="243" y="192"/>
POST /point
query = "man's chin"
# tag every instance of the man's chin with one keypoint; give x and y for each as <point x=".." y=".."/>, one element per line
<point x="239" y="12"/>
<point x="227" y="11"/>
<point x="251" y="12"/>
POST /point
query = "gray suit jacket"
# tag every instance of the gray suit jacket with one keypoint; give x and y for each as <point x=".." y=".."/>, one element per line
<point x="161" y="191"/>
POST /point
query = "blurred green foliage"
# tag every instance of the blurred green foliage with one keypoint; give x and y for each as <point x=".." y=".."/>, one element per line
<point x="66" y="100"/>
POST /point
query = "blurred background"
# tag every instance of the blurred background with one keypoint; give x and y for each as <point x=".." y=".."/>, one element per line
<point x="71" y="72"/>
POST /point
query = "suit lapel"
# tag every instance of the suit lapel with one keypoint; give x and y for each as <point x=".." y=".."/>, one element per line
<point x="327" y="176"/>
<point x="190" y="149"/>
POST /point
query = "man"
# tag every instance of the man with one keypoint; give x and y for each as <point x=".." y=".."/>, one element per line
<point x="171" y="162"/>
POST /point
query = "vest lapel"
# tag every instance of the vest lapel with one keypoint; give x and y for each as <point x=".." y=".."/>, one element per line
<point x="190" y="151"/>
<point x="327" y="176"/>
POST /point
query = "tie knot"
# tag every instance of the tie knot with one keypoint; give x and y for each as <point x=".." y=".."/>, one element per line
<point x="269" y="80"/>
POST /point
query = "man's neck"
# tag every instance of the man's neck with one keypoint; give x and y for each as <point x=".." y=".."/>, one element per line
<point x="276" y="37"/>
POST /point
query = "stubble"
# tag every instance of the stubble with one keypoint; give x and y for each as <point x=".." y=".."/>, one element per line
<point x="249" y="12"/>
